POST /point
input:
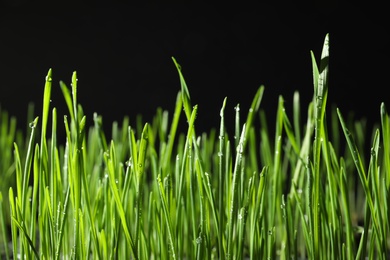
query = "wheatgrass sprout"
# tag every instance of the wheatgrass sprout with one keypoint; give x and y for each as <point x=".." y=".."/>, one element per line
<point x="150" y="191"/>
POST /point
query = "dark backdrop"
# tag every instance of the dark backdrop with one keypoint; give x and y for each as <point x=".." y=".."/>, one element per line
<point x="122" y="55"/>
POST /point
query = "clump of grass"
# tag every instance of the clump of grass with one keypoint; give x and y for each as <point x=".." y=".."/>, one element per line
<point x="151" y="192"/>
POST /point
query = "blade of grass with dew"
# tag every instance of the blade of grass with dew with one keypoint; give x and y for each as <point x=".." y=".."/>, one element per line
<point x="184" y="91"/>
<point x="206" y="203"/>
<point x="140" y="168"/>
<point x="233" y="193"/>
<point x="380" y="203"/>
<point x="61" y="230"/>
<point x="257" y="216"/>
<point x="110" y="161"/>
<point x="320" y="96"/>
<point x="35" y="194"/>
<point x="43" y="167"/>
<point x="43" y="171"/>
<point x="362" y="175"/>
<point x="330" y="198"/>
<point x="221" y="173"/>
<point x="22" y="179"/>
<point x="275" y="180"/>
<point x="75" y="138"/>
<point x="237" y="168"/>
<point x="190" y="115"/>
<point x="27" y="166"/>
<point x="243" y="216"/>
<point x="53" y="174"/>
<point x="298" y="173"/>
<point x="204" y="185"/>
<point x="187" y="171"/>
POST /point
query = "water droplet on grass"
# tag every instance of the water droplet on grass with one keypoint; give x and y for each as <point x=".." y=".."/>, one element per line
<point x="129" y="163"/>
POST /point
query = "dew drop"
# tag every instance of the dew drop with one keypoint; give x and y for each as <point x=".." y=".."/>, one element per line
<point x="128" y="163"/>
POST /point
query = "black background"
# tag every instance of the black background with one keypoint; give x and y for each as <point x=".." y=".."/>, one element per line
<point x="122" y="55"/>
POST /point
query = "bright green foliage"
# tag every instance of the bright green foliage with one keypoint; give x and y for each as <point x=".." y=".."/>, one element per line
<point x="150" y="192"/>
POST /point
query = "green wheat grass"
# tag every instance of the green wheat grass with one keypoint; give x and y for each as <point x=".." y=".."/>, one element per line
<point x="150" y="191"/>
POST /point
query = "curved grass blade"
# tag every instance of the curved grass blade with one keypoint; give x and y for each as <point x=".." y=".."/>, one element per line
<point x="184" y="91"/>
<point x="25" y="233"/>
